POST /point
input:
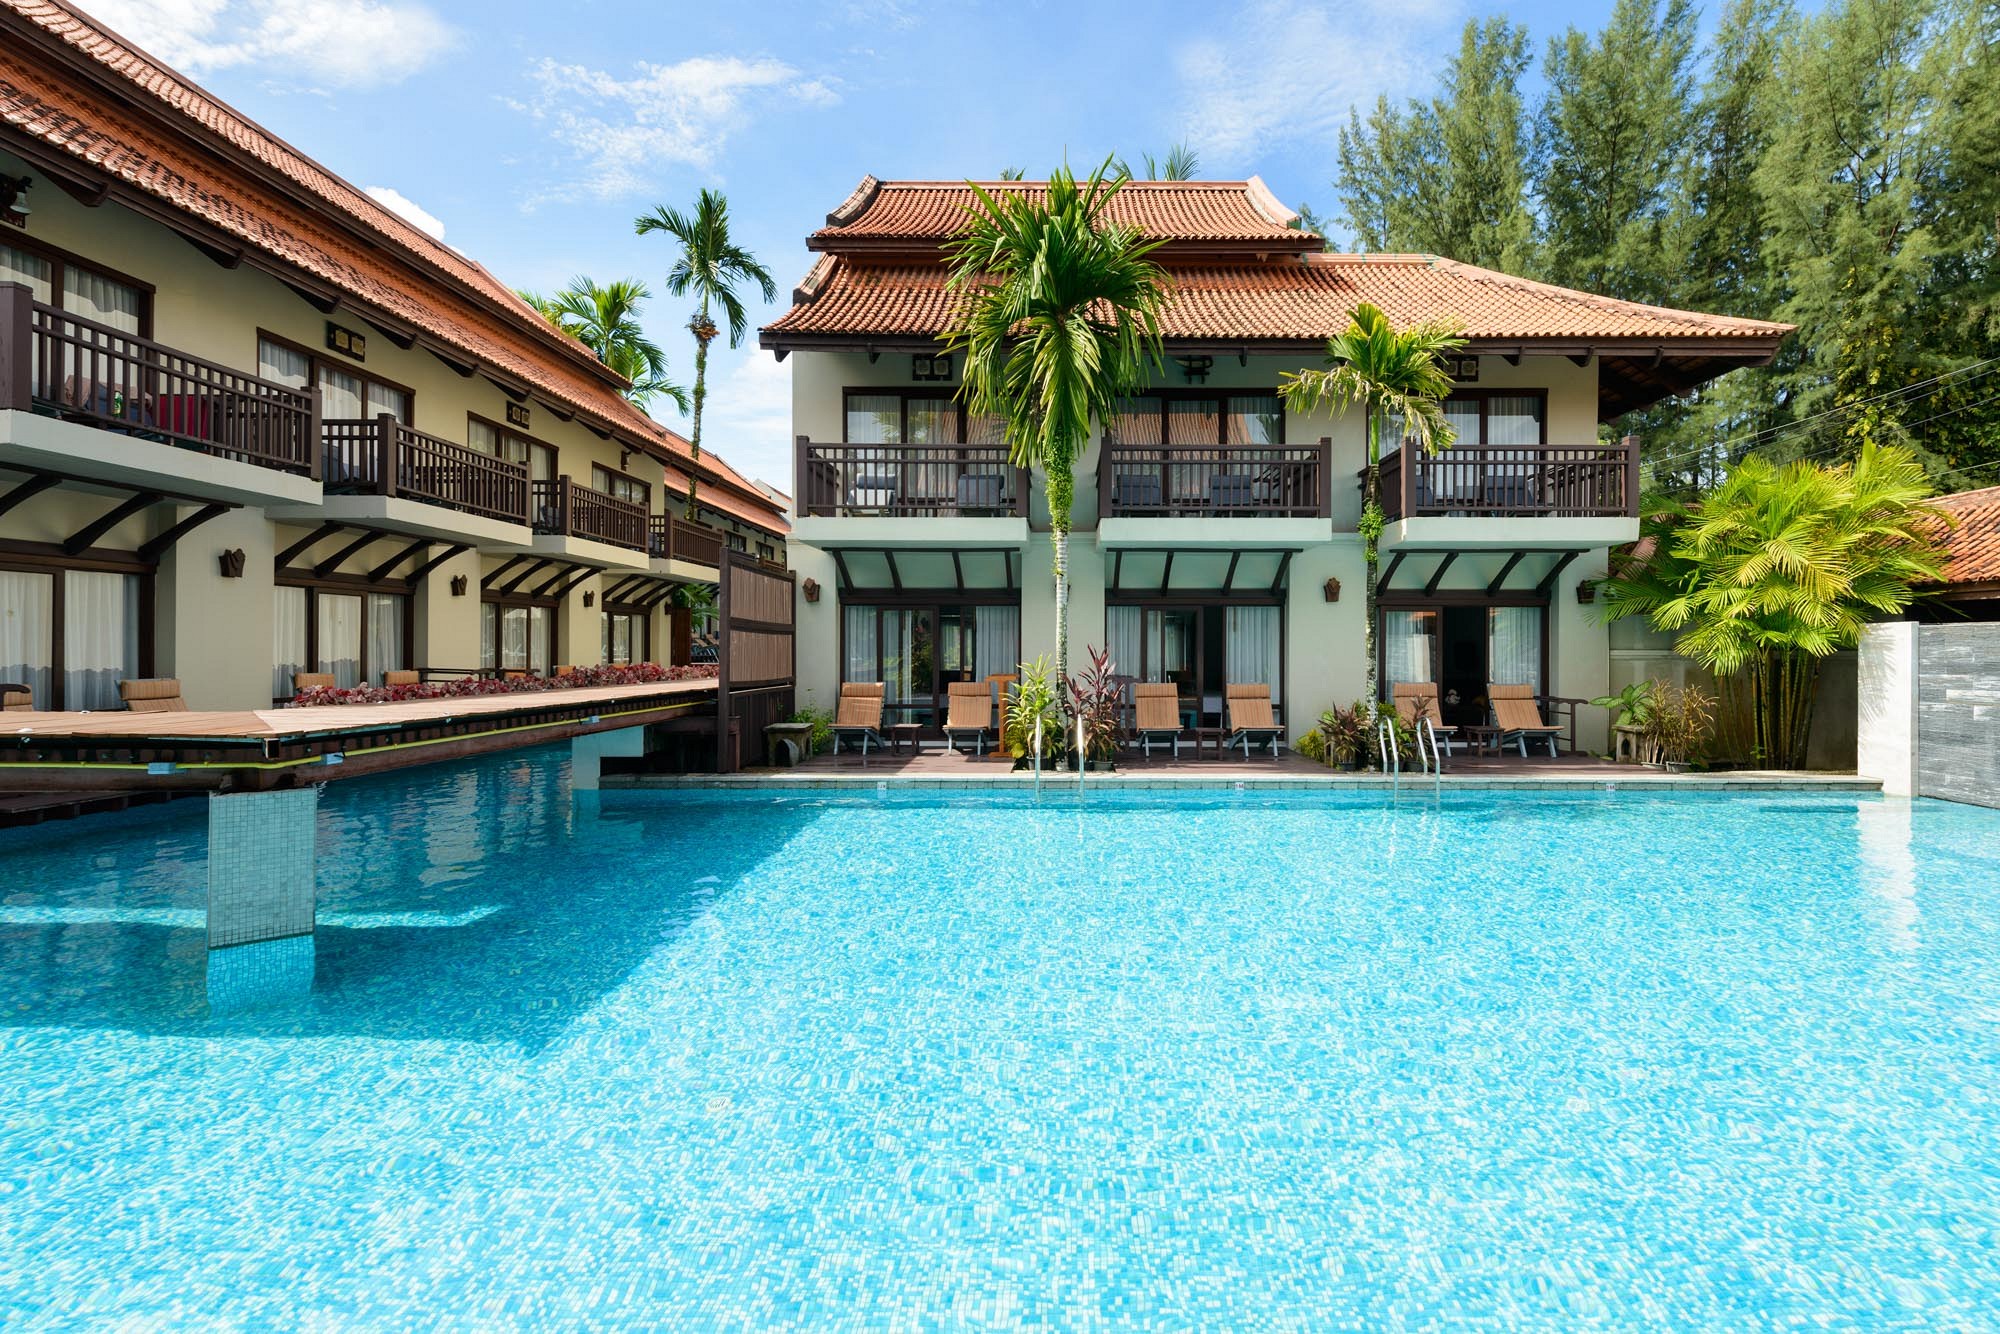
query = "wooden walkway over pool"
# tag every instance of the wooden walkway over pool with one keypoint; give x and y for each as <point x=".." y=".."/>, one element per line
<point x="258" y="749"/>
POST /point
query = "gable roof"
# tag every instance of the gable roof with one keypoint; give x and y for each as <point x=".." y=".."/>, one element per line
<point x="903" y="216"/>
<point x="1972" y="541"/>
<point x="105" y="120"/>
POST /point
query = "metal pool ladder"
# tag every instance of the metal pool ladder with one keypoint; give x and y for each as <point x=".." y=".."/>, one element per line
<point x="1434" y="765"/>
<point x="1038" y="757"/>
<point x="1392" y="758"/>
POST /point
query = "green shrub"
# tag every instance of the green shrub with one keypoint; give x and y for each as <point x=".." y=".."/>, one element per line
<point x="820" y="739"/>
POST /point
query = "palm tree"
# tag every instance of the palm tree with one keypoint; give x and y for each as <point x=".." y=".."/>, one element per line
<point x="1180" y="164"/>
<point x="710" y="266"/>
<point x="1060" y="319"/>
<point x="1390" y="376"/>
<point x="1778" y="568"/>
<point x="606" y="320"/>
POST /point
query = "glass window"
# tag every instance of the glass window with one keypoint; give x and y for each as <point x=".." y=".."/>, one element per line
<point x="288" y="639"/>
<point x="27" y="639"/>
<point x="100" y="637"/>
<point x="286" y="365"/>
<point x="1409" y="640"/>
<point x="339" y="626"/>
<point x="874" y="419"/>
<point x="1255" y="420"/>
<point x="339" y="395"/>
<point x="105" y="300"/>
<point x="513" y="638"/>
<point x="1193" y="421"/>
<point x="22" y="266"/>
<point x="1514" y="646"/>
<point x="489" y="636"/>
<point x="1514" y="419"/>
<point x="618" y="485"/>
<point x="931" y="421"/>
<point x="386" y="650"/>
<point x="541" y="640"/>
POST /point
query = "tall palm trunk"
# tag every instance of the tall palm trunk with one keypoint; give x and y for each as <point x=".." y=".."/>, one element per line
<point x="1783" y="685"/>
<point x="1062" y="488"/>
<point x="704" y="330"/>
<point x="1371" y="504"/>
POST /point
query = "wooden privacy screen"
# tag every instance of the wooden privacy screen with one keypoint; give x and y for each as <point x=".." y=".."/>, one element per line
<point x="756" y="654"/>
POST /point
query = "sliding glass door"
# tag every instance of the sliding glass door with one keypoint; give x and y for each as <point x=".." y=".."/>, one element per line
<point x="916" y="650"/>
<point x="1462" y="648"/>
<point x="1200" y="648"/>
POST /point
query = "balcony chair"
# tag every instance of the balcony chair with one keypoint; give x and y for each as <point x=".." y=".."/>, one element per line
<point x="1418" y="700"/>
<point x="858" y="715"/>
<point x="1157" y="715"/>
<point x="1138" y="491"/>
<point x="982" y="493"/>
<point x="1230" y="492"/>
<point x="161" y="694"/>
<point x="1251" y="721"/>
<point x="1508" y="487"/>
<point x="16" y="698"/>
<point x="1518" y="718"/>
<point x="304" y="681"/>
<point x="970" y="710"/>
<point x="873" y="491"/>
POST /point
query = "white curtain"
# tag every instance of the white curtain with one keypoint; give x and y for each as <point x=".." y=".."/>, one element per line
<point x="1514" y="646"/>
<point x="100" y="637"/>
<point x="996" y="641"/>
<point x="27" y="603"/>
<point x="489" y="636"/>
<point x="862" y="662"/>
<point x="284" y="365"/>
<point x="288" y="639"/>
<point x="340" y="638"/>
<point x="899" y="651"/>
<point x="874" y="419"/>
<point x="1407" y="640"/>
<point x="513" y="638"/>
<point x="339" y="395"/>
<point x="618" y="630"/>
<point x="539" y="621"/>
<point x="106" y="300"/>
<point x="385" y="633"/>
<point x="18" y="266"/>
<point x="1122" y="627"/>
<point x="1255" y="419"/>
<point x="395" y="402"/>
<point x="1515" y="419"/>
<point x="1250" y="648"/>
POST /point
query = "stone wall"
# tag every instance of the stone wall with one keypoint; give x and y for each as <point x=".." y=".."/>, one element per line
<point x="1958" y="712"/>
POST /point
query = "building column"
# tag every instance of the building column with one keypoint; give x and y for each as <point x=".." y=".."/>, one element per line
<point x="587" y="752"/>
<point x="1886" y="707"/>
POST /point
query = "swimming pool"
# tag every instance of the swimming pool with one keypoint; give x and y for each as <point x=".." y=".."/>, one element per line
<point x="725" y="1060"/>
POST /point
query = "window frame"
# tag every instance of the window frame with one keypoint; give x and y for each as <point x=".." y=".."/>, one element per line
<point x="1220" y="397"/>
<point x="358" y="369"/>
<point x="645" y="500"/>
<point x="1485" y="411"/>
<point x="533" y="443"/>
<point x="32" y="558"/>
<point x="521" y="602"/>
<point x="59" y="259"/>
<point x="905" y="395"/>
<point x="350" y="586"/>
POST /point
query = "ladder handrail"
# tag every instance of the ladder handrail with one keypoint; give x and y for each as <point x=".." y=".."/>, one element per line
<point x="1038" y="756"/>
<point x="1392" y="757"/>
<point x="1437" y="756"/>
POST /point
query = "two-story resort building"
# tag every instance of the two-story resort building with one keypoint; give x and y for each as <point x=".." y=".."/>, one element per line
<point x="252" y="422"/>
<point x="1215" y="529"/>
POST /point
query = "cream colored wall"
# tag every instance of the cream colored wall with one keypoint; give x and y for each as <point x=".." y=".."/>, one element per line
<point x="54" y="515"/>
<point x="211" y="632"/>
<point x="818" y="628"/>
<point x="447" y="627"/>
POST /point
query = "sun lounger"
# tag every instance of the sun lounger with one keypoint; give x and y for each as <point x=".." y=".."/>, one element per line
<point x="1418" y="700"/>
<point x="157" y="695"/>
<point x="1515" y="714"/>
<point x="858" y="716"/>
<point x="304" y="681"/>
<point x="16" y="698"/>
<point x="1156" y="706"/>
<point x="1251" y="721"/>
<point x="971" y="710"/>
<point x="404" y="678"/>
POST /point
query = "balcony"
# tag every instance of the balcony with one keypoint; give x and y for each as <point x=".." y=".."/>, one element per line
<point x="677" y="539"/>
<point x="1513" y="482"/>
<point x="380" y="456"/>
<point x="936" y="481"/>
<point x="1215" y="481"/>
<point x="562" y="508"/>
<point x="63" y="366"/>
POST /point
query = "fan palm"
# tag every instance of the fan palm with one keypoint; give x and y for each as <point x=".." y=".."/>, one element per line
<point x="1391" y="377"/>
<point x="1059" y="319"/>
<point x="606" y="320"/>
<point x="711" y="266"/>
<point x="1778" y="568"/>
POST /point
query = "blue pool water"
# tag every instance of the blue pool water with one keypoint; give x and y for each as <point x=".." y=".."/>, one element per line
<point x="715" y="1060"/>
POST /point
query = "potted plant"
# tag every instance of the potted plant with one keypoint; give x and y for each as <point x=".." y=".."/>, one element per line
<point x="1346" y="732"/>
<point x="1679" y="725"/>
<point x="1030" y="698"/>
<point x="1098" y="701"/>
<point x="1631" y="708"/>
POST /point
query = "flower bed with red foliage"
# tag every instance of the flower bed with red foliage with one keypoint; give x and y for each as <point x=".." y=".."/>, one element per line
<point x="644" y="673"/>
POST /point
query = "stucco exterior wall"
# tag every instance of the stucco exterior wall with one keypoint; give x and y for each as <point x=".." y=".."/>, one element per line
<point x="215" y="633"/>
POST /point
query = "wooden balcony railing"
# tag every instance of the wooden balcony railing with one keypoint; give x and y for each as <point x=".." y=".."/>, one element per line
<point x="1514" y="481"/>
<point x="71" y="367"/>
<point x="563" y="507"/>
<point x="1228" y="481"/>
<point x="381" y="456"/>
<point x="677" y="539"/>
<point x="909" y="481"/>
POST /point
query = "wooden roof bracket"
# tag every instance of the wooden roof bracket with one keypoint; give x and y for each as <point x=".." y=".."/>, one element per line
<point x="154" y="548"/>
<point x="314" y="538"/>
<point x="1549" y="580"/>
<point x="1389" y="575"/>
<point x="416" y="576"/>
<point x="80" y="541"/>
<point x="369" y="537"/>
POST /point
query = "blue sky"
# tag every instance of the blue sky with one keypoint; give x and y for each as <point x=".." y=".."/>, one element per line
<point x="533" y="133"/>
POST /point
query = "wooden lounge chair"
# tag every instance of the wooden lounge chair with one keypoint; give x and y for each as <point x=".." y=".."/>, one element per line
<point x="1251" y="721"/>
<point x="1515" y="714"/>
<point x="304" y="681"/>
<point x="858" y="715"/>
<point x="403" y="678"/>
<point x="16" y="698"/>
<point x="157" y="695"/>
<point x="1418" y="700"/>
<point x="970" y="710"/>
<point x="1156" y="706"/>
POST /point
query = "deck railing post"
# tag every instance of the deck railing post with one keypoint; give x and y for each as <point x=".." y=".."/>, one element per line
<point x="566" y="504"/>
<point x="315" y="436"/>
<point x="801" y="484"/>
<point x="1629" y="502"/>
<point x="17" y="359"/>
<point x="1323" y="460"/>
<point x="385" y="454"/>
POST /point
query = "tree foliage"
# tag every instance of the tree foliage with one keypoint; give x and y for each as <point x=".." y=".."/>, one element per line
<point x="605" y="319"/>
<point x="1839" y="170"/>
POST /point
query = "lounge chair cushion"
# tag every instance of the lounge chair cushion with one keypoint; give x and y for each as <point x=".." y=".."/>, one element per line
<point x="404" y="678"/>
<point x="971" y="707"/>
<point x="860" y="705"/>
<point x="304" y="681"/>
<point x="156" y="695"/>
<point x="1250" y="708"/>
<point x="16" y="699"/>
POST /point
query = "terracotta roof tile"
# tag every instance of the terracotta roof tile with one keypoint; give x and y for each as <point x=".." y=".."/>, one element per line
<point x="197" y="156"/>
<point x="1972" y="544"/>
<point x="929" y="212"/>
<point x="1281" y="301"/>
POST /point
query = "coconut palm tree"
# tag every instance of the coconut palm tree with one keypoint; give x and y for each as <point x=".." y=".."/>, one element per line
<point x="1059" y="318"/>
<point x="606" y="320"/>
<point x="711" y="266"/>
<point x="1393" y="378"/>
<point x="1777" y="569"/>
<point x="1180" y="164"/>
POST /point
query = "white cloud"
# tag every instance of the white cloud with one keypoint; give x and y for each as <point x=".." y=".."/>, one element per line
<point x="1291" y="69"/>
<point x="621" y="130"/>
<point x="408" y="210"/>
<point x="340" y="43"/>
<point x="748" y="417"/>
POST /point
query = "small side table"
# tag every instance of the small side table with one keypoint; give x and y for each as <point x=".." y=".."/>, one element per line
<point x="905" y="734"/>
<point x="1483" y="739"/>
<point x="1210" y="739"/>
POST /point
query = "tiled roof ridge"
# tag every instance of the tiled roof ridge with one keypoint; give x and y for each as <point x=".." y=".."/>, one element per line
<point x="1984" y="495"/>
<point x="146" y="74"/>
